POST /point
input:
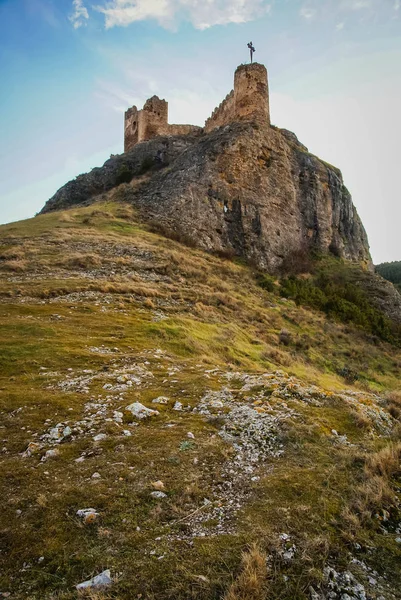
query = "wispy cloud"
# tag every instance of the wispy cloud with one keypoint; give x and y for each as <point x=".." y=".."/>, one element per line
<point x="201" y="13"/>
<point x="355" y="4"/>
<point x="80" y="15"/>
<point x="308" y="13"/>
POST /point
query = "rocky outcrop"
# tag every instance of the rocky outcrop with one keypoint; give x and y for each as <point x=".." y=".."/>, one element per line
<point x="245" y="189"/>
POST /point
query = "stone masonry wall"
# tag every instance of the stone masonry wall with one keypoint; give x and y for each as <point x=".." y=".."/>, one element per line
<point x="249" y="100"/>
<point x="251" y="93"/>
<point x="150" y="122"/>
<point x="131" y="136"/>
<point x="183" y="129"/>
<point x="222" y="115"/>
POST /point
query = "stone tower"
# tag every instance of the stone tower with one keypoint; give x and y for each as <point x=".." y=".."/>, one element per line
<point x="145" y="124"/>
<point x="249" y="100"/>
<point x="251" y="93"/>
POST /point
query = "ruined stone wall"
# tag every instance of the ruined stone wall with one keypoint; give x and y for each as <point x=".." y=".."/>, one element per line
<point x="223" y="114"/>
<point x="249" y="101"/>
<point x="150" y="122"/>
<point x="183" y="129"/>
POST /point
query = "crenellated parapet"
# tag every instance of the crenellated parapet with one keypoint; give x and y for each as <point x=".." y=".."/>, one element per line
<point x="249" y="100"/>
<point x="223" y="114"/>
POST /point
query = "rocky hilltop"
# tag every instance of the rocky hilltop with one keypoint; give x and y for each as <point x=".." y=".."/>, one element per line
<point x="240" y="186"/>
<point x="244" y="189"/>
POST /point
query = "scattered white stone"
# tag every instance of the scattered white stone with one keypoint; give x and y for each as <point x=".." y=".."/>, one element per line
<point x="158" y="495"/>
<point x="118" y="416"/>
<point x="55" y="434"/>
<point x="140" y="411"/>
<point x="32" y="448"/>
<point x="101" y="580"/>
<point x="178" y="406"/>
<point x="158" y="485"/>
<point x="96" y="476"/>
<point x="190" y="435"/>
<point x="83" y="513"/>
<point x="52" y="453"/>
<point x="160" y="400"/>
<point x="80" y="459"/>
<point x="127" y="433"/>
<point x="99" y="437"/>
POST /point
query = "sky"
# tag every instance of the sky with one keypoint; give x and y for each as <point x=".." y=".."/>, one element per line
<point x="70" y="68"/>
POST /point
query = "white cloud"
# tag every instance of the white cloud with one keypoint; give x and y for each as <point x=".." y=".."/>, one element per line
<point x="308" y="13"/>
<point x="80" y="14"/>
<point x="397" y="5"/>
<point x="201" y="13"/>
<point x="340" y="26"/>
<point x="356" y="4"/>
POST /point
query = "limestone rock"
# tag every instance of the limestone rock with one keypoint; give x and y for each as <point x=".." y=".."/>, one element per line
<point x="101" y="580"/>
<point x="140" y="411"/>
<point x="158" y="486"/>
<point x="158" y="495"/>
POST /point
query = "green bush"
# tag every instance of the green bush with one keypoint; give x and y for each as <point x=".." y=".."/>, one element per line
<point x="392" y="272"/>
<point x="124" y="174"/>
<point x="266" y="282"/>
<point x="333" y="292"/>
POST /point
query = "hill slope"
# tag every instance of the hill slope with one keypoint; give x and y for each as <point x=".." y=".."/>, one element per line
<point x="265" y="473"/>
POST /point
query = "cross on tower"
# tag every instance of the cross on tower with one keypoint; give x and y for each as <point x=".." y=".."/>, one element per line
<point x="252" y="50"/>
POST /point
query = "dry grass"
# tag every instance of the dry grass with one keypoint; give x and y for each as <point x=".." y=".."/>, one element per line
<point x="15" y="266"/>
<point x="376" y="491"/>
<point x="12" y="253"/>
<point x="251" y="583"/>
<point x="82" y="261"/>
<point x="384" y="463"/>
<point x="394" y="404"/>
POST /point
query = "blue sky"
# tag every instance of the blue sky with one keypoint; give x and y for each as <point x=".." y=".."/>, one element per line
<point x="69" y="69"/>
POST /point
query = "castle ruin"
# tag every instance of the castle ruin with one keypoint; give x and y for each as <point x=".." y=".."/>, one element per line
<point x="249" y="100"/>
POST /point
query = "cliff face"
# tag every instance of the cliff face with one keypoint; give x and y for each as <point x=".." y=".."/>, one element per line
<point x="247" y="189"/>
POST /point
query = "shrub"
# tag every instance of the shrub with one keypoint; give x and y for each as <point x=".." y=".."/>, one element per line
<point x="333" y="292"/>
<point x="124" y="174"/>
<point x="266" y="282"/>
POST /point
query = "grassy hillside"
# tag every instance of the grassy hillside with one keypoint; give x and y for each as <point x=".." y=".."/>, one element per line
<point x="272" y="467"/>
<point x="392" y="272"/>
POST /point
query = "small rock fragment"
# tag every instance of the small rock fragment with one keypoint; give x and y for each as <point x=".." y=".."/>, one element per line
<point x="158" y="485"/>
<point x="99" y="437"/>
<point x="96" y="476"/>
<point x="160" y="400"/>
<point x="88" y="515"/>
<point x="190" y="435"/>
<point x="51" y="453"/>
<point x="67" y="431"/>
<point x="101" y="580"/>
<point x="158" y="495"/>
<point x="177" y="406"/>
<point x="33" y="447"/>
<point x="140" y="411"/>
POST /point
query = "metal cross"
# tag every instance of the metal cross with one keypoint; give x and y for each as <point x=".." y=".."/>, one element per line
<point x="252" y="50"/>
